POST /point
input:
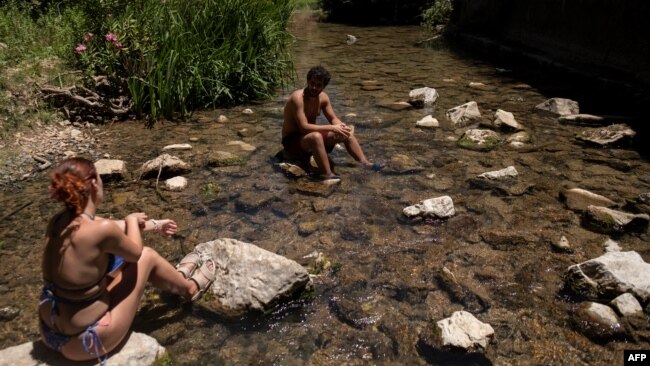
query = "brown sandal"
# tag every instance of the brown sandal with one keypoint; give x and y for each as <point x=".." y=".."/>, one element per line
<point x="204" y="277"/>
<point x="193" y="258"/>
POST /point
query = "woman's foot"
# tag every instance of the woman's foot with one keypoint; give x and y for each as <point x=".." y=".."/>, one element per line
<point x="204" y="276"/>
<point x="189" y="264"/>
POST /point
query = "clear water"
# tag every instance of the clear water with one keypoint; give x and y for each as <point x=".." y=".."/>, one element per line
<point x="387" y="286"/>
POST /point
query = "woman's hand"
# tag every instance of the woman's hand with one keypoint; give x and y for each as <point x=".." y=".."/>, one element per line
<point x="139" y="217"/>
<point x="165" y="227"/>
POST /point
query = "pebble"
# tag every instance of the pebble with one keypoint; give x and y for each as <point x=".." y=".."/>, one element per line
<point x="8" y="313"/>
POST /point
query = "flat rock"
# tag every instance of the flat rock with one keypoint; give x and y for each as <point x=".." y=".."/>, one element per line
<point x="508" y="172"/>
<point x="250" y="278"/>
<point x="168" y="165"/>
<point x="242" y="145"/>
<point x="224" y="158"/>
<point x="477" y="139"/>
<point x="608" y="136"/>
<point x="403" y="164"/>
<point x="177" y="147"/>
<point x="292" y="170"/>
<point x="610" y="275"/>
<point x="579" y="199"/>
<point x="559" y="106"/>
<point x="139" y="350"/>
<point x="583" y="119"/>
<point x="440" y="207"/>
<point x="393" y="105"/>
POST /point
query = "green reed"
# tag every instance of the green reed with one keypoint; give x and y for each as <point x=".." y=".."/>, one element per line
<point x="181" y="55"/>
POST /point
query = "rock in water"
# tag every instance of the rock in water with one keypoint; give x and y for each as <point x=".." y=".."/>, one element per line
<point x="250" y="278"/>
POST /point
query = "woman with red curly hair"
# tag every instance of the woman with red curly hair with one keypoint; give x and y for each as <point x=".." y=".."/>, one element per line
<point x="95" y="270"/>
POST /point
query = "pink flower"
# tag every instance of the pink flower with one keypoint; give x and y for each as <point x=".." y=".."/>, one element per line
<point x="88" y="36"/>
<point x="110" y="37"/>
<point x="80" y="48"/>
<point x="117" y="44"/>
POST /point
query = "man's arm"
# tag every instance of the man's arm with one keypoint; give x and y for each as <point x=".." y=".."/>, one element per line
<point x="328" y="111"/>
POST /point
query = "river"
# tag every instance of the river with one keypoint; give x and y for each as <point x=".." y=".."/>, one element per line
<point x="386" y="285"/>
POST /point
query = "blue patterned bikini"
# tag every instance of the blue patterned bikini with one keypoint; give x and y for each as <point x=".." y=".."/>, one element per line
<point x="91" y="341"/>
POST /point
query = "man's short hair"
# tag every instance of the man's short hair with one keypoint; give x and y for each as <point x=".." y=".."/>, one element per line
<point x="319" y="72"/>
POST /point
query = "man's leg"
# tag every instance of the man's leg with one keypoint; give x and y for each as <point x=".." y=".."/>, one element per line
<point x="354" y="149"/>
<point x="315" y="144"/>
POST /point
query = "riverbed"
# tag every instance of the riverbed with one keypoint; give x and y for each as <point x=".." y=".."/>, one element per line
<point x="385" y="285"/>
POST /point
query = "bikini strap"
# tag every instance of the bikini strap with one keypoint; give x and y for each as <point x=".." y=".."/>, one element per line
<point x="92" y="343"/>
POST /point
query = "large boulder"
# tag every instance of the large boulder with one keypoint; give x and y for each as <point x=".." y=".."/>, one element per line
<point x="250" y="278"/>
<point x="464" y="114"/>
<point x="610" y="275"/>
<point x="559" y="106"/>
<point x="139" y="350"/>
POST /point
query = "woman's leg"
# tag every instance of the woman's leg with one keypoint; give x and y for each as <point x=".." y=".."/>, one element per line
<point x="125" y="292"/>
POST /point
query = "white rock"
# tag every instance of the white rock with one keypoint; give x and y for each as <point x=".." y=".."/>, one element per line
<point x="176" y="183"/>
<point x="427" y="96"/>
<point x="222" y="119"/>
<point x="627" y="305"/>
<point x="441" y="207"/>
<point x="507" y="120"/>
<point x="112" y="168"/>
<point x="503" y="173"/>
<point x="249" y="277"/>
<point x="476" y="85"/>
<point x="139" y="350"/>
<point x="351" y="115"/>
<point x="177" y="147"/>
<point x="463" y="330"/>
<point x="428" y="121"/>
<point x="350" y="39"/>
<point x="603" y="314"/>
<point x="559" y="106"/>
<point x="242" y="145"/>
<point x="519" y="138"/>
<point x="464" y="114"/>
<point x="74" y="133"/>
<point x="247" y="111"/>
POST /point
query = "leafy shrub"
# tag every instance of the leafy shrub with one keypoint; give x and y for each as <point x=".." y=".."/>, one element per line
<point x="438" y="13"/>
<point x="179" y="55"/>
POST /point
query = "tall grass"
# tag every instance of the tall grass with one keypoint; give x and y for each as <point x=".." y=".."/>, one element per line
<point x="31" y="33"/>
<point x="179" y="55"/>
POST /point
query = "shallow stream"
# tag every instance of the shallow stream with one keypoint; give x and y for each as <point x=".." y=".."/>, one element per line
<point x="386" y="285"/>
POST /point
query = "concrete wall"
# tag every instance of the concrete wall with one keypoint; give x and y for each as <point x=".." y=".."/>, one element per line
<point x="611" y="35"/>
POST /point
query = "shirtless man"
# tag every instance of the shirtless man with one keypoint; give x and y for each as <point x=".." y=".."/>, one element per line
<point x="302" y="137"/>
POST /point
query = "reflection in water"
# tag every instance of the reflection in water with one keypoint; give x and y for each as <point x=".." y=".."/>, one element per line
<point x="387" y="285"/>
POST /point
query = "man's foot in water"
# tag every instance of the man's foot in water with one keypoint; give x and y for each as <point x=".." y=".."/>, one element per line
<point x="375" y="167"/>
<point x="325" y="179"/>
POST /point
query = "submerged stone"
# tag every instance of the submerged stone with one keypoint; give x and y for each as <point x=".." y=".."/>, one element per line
<point x="607" y="136"/>
<point x="483" y="140"/>
<point x="597" y="321"/>
<point x="559" y="106"/>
